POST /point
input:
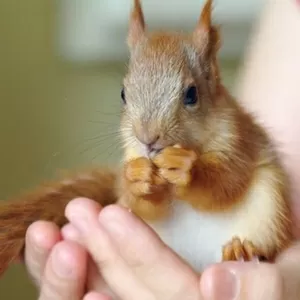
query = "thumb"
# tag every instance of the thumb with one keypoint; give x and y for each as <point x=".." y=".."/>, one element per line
<point x="289" y="265"/>
<point x="242" y="281"/>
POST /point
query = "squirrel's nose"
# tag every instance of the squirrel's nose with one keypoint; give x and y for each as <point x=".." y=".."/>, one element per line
<point x="147" y="138"/>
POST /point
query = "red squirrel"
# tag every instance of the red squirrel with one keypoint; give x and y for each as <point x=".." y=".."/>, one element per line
<point x="197" y="167"/>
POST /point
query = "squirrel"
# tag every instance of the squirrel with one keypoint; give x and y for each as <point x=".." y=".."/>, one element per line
<point x="197" y="167"/>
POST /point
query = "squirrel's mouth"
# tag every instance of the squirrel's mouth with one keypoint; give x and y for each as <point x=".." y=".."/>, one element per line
<point x="154" y="152"/>
<point x="149" y="152"/>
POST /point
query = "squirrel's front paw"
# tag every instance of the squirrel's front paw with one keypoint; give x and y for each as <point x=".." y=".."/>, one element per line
<point x="141" y="177"/>
<point x="175" y="165"/>
<point x="236" y="250"/>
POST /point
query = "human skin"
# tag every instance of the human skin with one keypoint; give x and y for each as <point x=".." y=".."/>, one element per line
<point x="268" y="86"/>
<point x="144" y="268"/>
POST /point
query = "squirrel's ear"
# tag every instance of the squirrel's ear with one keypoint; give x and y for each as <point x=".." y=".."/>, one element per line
<point x="136" y="25"/>
<point x="206" y="36"/>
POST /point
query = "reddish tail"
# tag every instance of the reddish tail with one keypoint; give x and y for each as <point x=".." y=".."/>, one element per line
<point x="48" y="203"/>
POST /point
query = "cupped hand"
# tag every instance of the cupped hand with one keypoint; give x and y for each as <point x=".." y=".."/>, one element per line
<point x="133" y="261"/>
<point x="137" y="265"/>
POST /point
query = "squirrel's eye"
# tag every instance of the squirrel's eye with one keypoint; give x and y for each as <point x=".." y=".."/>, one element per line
<point x="190" y="96"/>
<point x="123" y="96"/>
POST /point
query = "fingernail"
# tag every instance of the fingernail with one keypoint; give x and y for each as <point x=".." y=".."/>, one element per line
<point x="220" y="284"/>
<point x="61" y="264"/>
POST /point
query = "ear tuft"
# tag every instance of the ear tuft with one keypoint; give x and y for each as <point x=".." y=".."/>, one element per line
<point x="205" y="17"/>
<point x="206" y="36"/>
<point x="136" y="25"/>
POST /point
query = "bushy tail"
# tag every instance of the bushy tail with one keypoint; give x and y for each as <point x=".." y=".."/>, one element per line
<point x="48" y="203"/>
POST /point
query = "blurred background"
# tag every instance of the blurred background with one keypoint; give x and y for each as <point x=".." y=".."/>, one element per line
<point x="61" y="69"/>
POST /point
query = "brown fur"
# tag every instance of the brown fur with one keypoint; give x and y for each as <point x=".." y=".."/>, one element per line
<point x="48" y="203"/>
<point x="229" y="145"/>
<point x="143" y="191"/>
<point x="221" y="147"/>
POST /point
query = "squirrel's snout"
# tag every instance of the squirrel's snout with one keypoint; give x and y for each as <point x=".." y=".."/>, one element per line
<point x="150" y="139"/>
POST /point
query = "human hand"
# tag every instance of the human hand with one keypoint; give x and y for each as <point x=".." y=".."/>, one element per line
<point x="43" y="239"/>
<point x="137" y="265"/>
<point x="139" y="268"/>
<point x="254" y="281"/>
<point x="58" y="267"/>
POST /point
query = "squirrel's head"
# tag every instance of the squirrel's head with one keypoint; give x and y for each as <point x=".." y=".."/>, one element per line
<point x="170" y="87"/>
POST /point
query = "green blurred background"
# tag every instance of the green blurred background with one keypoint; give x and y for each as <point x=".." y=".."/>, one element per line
<point x="54" y="114"/>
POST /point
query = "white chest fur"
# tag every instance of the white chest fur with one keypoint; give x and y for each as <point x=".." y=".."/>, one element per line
<point x="199" y="237"/>
<point x="196" y="237"/>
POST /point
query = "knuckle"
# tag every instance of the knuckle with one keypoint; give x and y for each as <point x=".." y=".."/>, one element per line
<point x="137" y="261"/>
<point x="51" y="290"/>
<point x="103" y="252"/>
<point x="188" y="284"/>
<point x="105" y="262"/>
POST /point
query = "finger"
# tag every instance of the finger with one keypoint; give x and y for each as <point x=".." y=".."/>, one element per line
<point x="156" y="265"/>
<point x="241" y="281"/>
<point x="95" y="280"/>
<point x="96" y="296"/>
<point x="83" y="214"/>
<point x="289" y="266"/>
<point x="65" y="273"/>
<point x="40" y="238"/>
